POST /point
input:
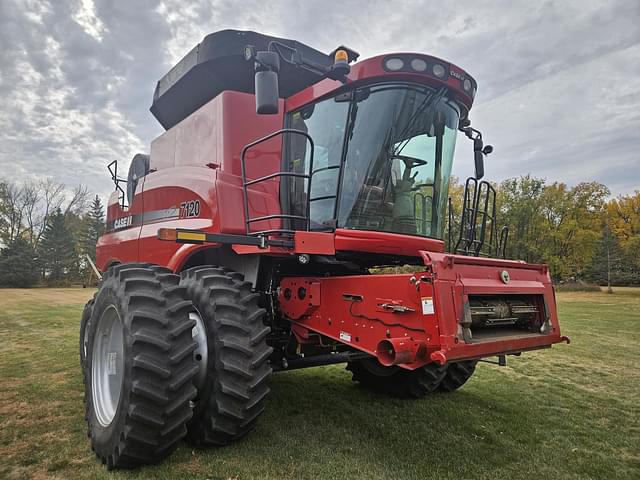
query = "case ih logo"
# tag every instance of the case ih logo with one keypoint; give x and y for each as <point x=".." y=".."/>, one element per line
<point x="456" y="74"/>
<point x="123" y="222"/>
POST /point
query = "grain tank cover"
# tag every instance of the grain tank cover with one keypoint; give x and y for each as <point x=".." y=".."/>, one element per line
<point x="217" y="64"/>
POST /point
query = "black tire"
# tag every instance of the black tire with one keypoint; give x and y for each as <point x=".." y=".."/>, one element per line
<point x="396" y="381"/>
<point x="231" y="396"/>
<point x="457" y="375"/>
<point x="157" y="365"/>
<point x="84" y="331"/>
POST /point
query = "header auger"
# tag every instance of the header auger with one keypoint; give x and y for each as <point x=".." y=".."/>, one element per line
<point x="246" y="238"/>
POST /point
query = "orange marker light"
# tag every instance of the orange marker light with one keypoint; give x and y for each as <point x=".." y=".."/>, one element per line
<point x="341" y="56"/>
<point x="168" y="234"/>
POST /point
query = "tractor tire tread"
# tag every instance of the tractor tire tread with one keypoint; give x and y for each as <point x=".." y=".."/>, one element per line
<point x="230" y="401"/>
<point x="457" y="375"/>
<point x="395" y="381"/>
<point x="155" y="405"/>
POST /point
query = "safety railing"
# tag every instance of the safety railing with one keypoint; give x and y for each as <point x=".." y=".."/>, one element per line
<point x="281" y="174"/>
<point x="478" y="234"/>
<point x="113" y="170"/>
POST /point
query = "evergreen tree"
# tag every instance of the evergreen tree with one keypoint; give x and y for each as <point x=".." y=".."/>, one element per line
<point x="93" y="227"/>
<point x="57" y="247"/>
<point x="18" y="265"/>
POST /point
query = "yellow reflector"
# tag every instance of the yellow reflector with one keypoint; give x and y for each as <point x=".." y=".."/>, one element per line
<point x="341" y="56"/>
<point x="191" y="236"/>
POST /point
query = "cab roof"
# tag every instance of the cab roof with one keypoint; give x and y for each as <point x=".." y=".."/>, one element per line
<point x="217" y="64"/>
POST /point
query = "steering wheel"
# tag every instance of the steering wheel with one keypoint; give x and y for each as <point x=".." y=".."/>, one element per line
<point x="409" y="162"/>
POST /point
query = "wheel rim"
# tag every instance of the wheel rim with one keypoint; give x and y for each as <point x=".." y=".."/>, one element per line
<point x="107" y="366"/>
<point x="85" y="340"/>
<point x="201" y="353"/>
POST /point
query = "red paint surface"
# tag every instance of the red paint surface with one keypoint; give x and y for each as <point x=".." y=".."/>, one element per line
<point x="370" y="70"/>
<point x="447" y="279"/>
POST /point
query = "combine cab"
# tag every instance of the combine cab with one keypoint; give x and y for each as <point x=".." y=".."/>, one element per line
<point x="247" y="241"/>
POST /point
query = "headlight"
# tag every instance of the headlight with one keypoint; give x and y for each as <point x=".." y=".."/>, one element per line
<point x="438" y="70"/>
<point x="418" y="64"/>
<point x="394" y="64"/>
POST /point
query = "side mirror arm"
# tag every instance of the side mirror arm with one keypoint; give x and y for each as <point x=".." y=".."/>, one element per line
<point x="267" y="67"/>
<point x="479" y="149"/>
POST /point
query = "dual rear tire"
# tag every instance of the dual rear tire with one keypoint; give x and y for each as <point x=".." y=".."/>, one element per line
<point x="138" y="365"/>
<point x="148" y="338"/>
<point x="232" y="386"/>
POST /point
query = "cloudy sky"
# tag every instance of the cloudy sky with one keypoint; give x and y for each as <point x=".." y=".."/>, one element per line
<point x="559" y="81"/>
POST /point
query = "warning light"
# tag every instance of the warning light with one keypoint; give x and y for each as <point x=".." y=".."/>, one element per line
<point x="341" y="56"/>
<point x="340" y="68"/>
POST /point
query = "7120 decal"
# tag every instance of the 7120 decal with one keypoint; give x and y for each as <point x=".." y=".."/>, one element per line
<point x="190" y="209"/>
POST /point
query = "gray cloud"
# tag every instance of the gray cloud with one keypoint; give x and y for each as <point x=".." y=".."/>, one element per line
<point x="558" y="81"/>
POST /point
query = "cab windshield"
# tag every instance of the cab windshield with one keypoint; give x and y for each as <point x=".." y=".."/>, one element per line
<point x="382" y="160"/>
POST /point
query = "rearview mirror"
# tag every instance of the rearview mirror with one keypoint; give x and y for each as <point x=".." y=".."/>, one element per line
<point x="266" y="92"/>
<point x="478" y="158"/>
<point x="267" y="66"/>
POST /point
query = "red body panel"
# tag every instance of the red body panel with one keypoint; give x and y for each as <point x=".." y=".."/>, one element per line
<point x="115" y="245"/>
<point x="431" y="304"/>
<point x="384" y="242"/>
<point x="198" y="159"/>
<point x="370" y="70"/>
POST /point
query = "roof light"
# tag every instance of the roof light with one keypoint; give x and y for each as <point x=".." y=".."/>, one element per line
<point x="394" y="64"/>
<point x="341" y="56"/>
<point x="340" y="67"/>
<point x="418" y="64"/>
<point x="438" y="70"/>
<point x="467" y="85"/>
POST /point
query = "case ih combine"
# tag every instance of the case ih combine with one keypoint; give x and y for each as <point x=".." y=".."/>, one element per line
<point x="283" y="177"/>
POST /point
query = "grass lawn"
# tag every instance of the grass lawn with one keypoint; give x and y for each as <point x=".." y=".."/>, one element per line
<point x="569" y="412"/>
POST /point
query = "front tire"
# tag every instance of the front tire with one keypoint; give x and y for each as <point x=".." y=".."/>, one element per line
<point x="233" y="379"/>
<point x="457" y="375"/>
<point x="139" y="366"/>
<point x="396" y="381"/>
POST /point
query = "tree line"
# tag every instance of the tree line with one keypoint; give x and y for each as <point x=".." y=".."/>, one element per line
<point x="45" y="233"/>
<point x="580" y="232"/>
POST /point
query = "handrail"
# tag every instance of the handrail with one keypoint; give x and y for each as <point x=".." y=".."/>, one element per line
<point x="246" y="183"/>
<point x="467" y="229"/>
<point x="113" y="170"/>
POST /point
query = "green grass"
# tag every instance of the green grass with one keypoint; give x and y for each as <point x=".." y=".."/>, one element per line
<point x="569" y="412"/>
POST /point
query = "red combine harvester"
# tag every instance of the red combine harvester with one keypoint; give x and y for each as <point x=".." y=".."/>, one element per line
<point x="284" y="177"/>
